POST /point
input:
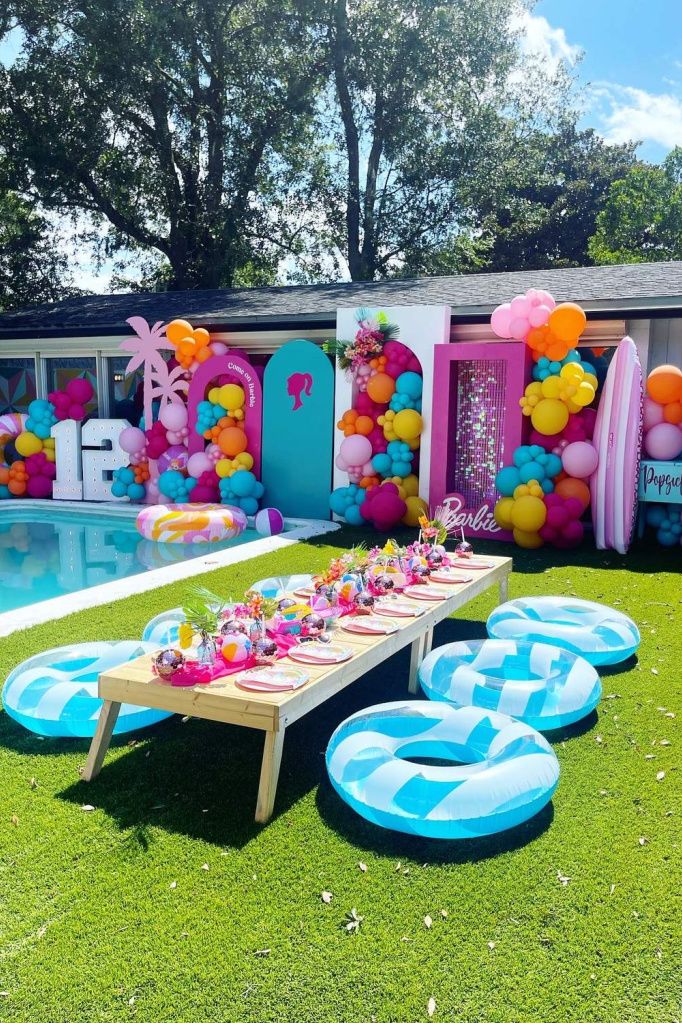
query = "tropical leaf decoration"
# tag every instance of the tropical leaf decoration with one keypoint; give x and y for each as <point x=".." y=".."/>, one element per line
<point x="368" y="343"/>
<point x="203" y="611"/>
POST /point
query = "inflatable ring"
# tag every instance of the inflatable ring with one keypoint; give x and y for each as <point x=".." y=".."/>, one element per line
<point x="55" y="693"/>
<point x="596" y="632"/>
<point x="162" y="629"/>
<point x="191" y="523"/>
<point x="276" y="586"/>
<point x="507" y="770"/>
<point x="542" y="685"/>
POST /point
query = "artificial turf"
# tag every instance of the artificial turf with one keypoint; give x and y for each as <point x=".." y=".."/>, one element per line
<point x="166" y="903"/>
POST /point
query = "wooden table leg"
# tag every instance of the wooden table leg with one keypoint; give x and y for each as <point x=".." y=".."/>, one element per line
<point x="101" y="739"/>
<point x="416" y="658"/>
<point x="504" y="589"/>
<point x="428" y="643"/>
<point x="269" y="773"/>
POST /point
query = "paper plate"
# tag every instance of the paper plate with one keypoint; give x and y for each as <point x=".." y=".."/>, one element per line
<point x="475" y="564"/>
<point x="449" y="578"/>
<point x="368" y="625"/>
<point x="398" y="608"/>
<point x="319" y="653"/>
<point x="305" y="592"/>
<point x="272" y="680"/>
<point x="427" y="592"/>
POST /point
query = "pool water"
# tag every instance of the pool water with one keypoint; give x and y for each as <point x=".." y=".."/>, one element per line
<point x="53" y="552"/>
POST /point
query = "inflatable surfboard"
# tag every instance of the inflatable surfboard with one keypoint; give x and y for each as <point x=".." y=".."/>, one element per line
<point x="617" y="438"/>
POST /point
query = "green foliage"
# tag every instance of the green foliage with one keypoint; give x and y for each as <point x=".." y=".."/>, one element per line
<point x="642" y="219"/>
<point x="179" y="125"/>
<point x="109" y="915"/>
<point x="32" y="268"/>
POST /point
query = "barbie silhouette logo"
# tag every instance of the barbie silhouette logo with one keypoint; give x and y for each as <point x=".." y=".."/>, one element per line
<point x="299" y="384"/>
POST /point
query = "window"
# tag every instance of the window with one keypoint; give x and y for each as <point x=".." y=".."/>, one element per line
<point x="17" y="384"/>
<point x="61" y="371"/>
<point x="125" y="390"/>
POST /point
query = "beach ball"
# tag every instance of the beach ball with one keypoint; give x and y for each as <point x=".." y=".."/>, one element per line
<point x="236" y="649"/>
<point x="269" y="522"/>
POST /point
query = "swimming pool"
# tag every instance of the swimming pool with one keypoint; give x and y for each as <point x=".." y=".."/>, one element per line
<point x="50" y="554"/>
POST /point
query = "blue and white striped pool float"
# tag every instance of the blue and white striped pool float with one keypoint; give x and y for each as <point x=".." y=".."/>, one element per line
<point x="162" y="629"/>
<point x="594" y="631"/>
<point x="542" y="685"/>
<point x="507" y="770"/>
<point x="55" y="693"/>
<point x="276" y="586"/>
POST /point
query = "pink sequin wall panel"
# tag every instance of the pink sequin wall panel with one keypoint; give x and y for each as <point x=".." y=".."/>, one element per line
<point x="478" y="436"/>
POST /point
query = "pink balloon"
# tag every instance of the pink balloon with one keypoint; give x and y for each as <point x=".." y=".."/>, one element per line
<point x="653" y="413"/>
<point x="76" y="412"/>
<point x="39" y="486"/>
<point x="132" y="440"/>
<point x="356" y="450"/>
<point x="520" y="307"/>
<point x="546" y="298"/>
<point x="198" y="463"/>
<point x="518" y="328"/>
<point x="539" y="315"/>
<point x="173" y="416"/>
<point x="213" y="453"/>
<point x="557" y="517"/>
<point x="340" y="463"/>
<point x="572" y="534"/>
<point x="218" y="348"/>
<point x="663" y="441"/>
<point x="501" y="319"/>
<point x="80" y="390"/>
<point x="580" y="459"/>
<point x="368" y="469"/>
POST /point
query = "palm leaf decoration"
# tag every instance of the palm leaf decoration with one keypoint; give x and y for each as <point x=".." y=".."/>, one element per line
<point x="202" y="612"/>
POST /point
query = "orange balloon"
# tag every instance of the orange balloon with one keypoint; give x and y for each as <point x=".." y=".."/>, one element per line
<point x="664" y="384"/>
<point x="567" y="321"/>
<point x="571" y="487"/>
<point x="367" y="482"/>
<point x="381" y="388"/>
<point x="672" y="412"/>
<point x="364" y="425"/>
<point x="4" y="475"/>
<point x="178" y="330"/>
<point x="232" y="441"/>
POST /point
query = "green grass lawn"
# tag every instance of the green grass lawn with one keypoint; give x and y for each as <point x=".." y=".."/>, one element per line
<point x="166" y="903"/>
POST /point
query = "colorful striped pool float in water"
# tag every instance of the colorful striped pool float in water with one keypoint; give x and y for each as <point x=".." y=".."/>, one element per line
<point x="542" y="685"/>
<point x="505" y="771"/>
<point x="191" y="523"/>
<point x="594" y="631"/>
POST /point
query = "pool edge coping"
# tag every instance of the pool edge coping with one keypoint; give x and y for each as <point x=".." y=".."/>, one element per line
<point x="118" y="589"/>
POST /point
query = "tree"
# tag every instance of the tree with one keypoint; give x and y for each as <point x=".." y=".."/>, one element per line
<point x="427" y="99"/>
<point x="180" y="124"/>
<point x="642" y="218"/>
<point x="32" y="268"/>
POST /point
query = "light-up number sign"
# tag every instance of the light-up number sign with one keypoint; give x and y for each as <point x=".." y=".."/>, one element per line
<point x="85" y="457"/>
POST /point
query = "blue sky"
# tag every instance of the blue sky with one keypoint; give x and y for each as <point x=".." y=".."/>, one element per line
<point x="631" y="64"/>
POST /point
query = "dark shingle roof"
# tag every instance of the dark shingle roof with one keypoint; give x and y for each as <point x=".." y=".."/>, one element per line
<point x="605" y="289"/>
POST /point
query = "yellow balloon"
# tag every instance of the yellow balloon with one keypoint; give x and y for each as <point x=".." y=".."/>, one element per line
<point x="232" y="396"/>
<point x="502" y="512"/>
<point x="551" y="387"/>
<point x="411" y="485"/>
<point x="224" y="467"/>
<point x="28" y="444"/>
<point x="48" y="449"/>
<point x="408" y="424"/>
<point x="549" y="416"/>
<point x="584" y="394"/>
<point x="572" y="371"/>
<point x="590" y="378"/>
<point x="244" y="460"/>
<point x="416" y="507"/>
<point x="527" y="539"/>
<point x="214" y="395"/>
<point x="529" y="514"/>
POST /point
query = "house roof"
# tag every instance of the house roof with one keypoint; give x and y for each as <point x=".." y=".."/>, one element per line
<point x="642" y="288"/>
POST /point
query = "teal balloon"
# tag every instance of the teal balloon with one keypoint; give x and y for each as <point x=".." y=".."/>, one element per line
<point x="410" y="384"/>
<point x="507" y="480"/>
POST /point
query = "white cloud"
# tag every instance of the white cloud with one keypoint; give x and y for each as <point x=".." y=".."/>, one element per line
<point x="629" y="114"/>
<point x="540" y="39"/>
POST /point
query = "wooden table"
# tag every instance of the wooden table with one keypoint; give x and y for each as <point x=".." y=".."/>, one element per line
<point x="134" y="682"/>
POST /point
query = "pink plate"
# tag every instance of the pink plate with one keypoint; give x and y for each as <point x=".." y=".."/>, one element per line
<point x="450" y="578"/>
<point x="305" y="592"/>
<point x="368" y="625"/>
<point x="426" y="593"/>
<point x="272" y="680"/>
<point x="473" y="564"/>
<point x="397" y="609"/>
<point x="320" y="653"/>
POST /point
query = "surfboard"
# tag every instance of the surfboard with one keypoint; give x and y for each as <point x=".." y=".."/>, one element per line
<point x="617" y="438"/>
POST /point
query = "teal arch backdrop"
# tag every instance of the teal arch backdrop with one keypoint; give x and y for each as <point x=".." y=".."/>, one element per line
<point x="298" y="430"/>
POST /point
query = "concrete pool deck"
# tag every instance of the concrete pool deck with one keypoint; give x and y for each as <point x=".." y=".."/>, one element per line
<point x="94" y="596"/>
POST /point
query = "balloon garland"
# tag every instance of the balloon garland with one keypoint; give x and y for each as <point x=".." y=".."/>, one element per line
<point x="544" y="493"/>
<point x="663" y="413"/>
<point x="160" y="466"/>
<point x="382" y="431"/>
<point x="26" y="447"/>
